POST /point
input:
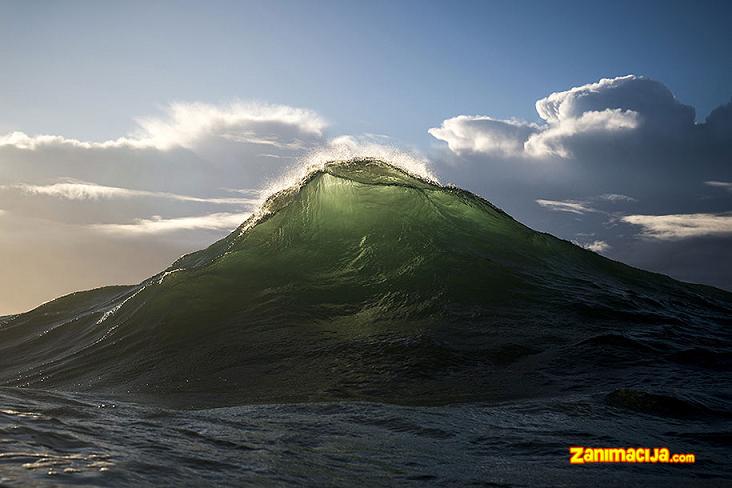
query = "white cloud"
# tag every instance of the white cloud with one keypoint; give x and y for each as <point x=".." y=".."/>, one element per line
<point x="680" y="226"/>
<point x="651" y="99"/>
<point x="483" y="134"/>
<point x="21" y="140"/>
<point x="250" y="123"/>
<point x="569" y="206"/>
<point x="727" y="185"/>
<point x="79" y="190"/>
<point x="274" y="156"/>
<point x="217" y="221"/>
<point x="599" y="110"/>
<point x="185" y="124"/>
<point x="616" y="197"/>
<point x="552" y="141"/>
<point x="563" y="105"/>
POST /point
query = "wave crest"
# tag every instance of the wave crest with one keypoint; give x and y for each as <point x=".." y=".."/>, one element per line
<point x="349" y="148"/>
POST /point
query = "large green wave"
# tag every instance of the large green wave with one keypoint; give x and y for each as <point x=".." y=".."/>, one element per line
<point x="365" y="282"/>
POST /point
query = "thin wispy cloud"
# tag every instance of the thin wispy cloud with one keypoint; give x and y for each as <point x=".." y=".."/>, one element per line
<point x="584" y="206"/>
<point x="274" y="156"/>
<point x="616" y="197"/>
<point x="79" y="190"/>
<point x="244" y="191"/>
<point x="726" y="185"/>
<point x="682" y="226"/>
<point x="221" y="221"/>
<point x="569" y="206"/>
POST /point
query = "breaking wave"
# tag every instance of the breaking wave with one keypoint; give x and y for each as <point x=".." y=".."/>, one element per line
<point x="360" y="279"/>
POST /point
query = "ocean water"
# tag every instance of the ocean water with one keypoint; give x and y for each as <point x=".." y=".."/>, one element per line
<point x="50" y="439"/>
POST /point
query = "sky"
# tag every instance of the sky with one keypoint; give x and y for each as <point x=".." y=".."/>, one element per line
<point x="133" y="132"/>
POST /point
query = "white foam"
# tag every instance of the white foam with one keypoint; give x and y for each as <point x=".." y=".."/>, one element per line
<point x="114" y="309"/>
<point x="346" y="148"/>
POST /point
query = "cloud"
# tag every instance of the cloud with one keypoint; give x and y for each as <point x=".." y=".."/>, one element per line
<point x="553" y="139"/>
<point x="156" y="225"/>
<point x="483" y="134"/>
<point x="616" y="197"/>
<point x="186" y="124"/>
<point x="569" y="206"/>
<point x="719" y="121"/>
<point x="650" y="99"/>
<point x="726" y="185"/>
<point x="188" y="149"/>
<point x="274" y="125"/>
<point x="596" y="112"/>
<point x="79" y="190"/>
<point x="681" y="226"/>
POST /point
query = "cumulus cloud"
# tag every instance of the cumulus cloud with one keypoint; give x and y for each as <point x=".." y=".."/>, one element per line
<point x="681" y="226"/>
<point x="156" y="225"/>
<point x="553" y="139"/>
<point x="483" y="134"/>
<point x="596" y="111"/>
<point x="569" y="206"/>
<point x="650" y="98"/>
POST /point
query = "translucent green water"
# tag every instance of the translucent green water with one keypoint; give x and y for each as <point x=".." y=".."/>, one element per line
<point x="368" y="283"/>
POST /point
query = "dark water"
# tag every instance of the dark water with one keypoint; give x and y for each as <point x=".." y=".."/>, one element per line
<point x="55" y="439"/>
<point x="371" y="327"/>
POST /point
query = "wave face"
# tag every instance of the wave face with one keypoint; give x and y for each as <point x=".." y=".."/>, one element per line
<point x="364" y="282"/>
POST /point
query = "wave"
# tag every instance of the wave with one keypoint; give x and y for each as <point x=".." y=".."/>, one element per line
<point x="365" y="280"/>
<point x="661" y="405"/>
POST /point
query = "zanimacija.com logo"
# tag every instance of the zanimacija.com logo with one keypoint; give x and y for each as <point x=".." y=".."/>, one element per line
<point x="587" y="455"/>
